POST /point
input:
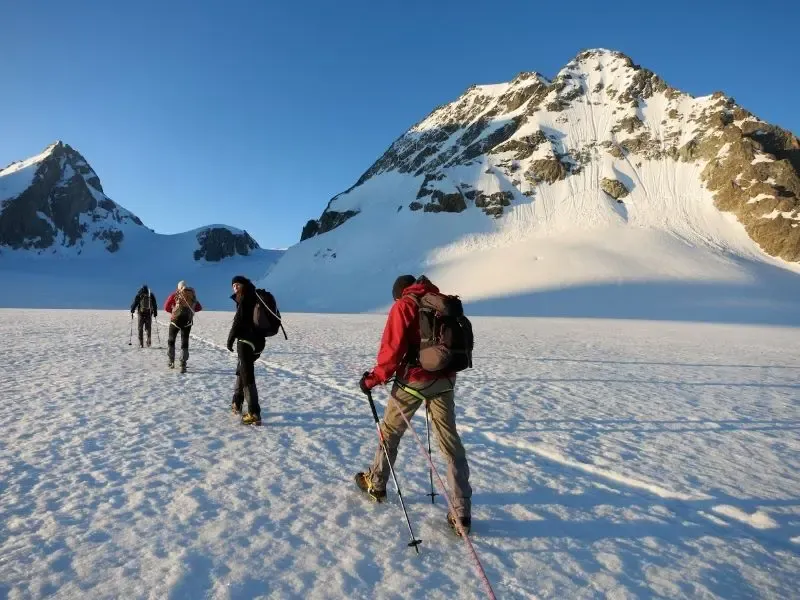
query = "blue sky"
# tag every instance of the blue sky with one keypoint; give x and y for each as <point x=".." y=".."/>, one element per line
<point x="255" y="114"/>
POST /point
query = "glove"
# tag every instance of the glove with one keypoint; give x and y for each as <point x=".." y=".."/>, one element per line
<point x="131" y="314"/>
<point x="155" y="315"/>
<point x="367" y="382"/>
<point x="230" y="346"/>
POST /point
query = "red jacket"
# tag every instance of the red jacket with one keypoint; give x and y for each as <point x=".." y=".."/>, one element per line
<point x="170" y="304"/>
<point x="400" y="333"/>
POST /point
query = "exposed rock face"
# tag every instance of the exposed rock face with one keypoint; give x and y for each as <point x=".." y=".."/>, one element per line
<point x="614" y="188"/>
<point x="57" y="199"/>
<point x="547" y="170"/>
<point x="442" y="202"/>
<point x="330" y="219"/>
<point x="218" y="243"/>
<point x="493" y="203"/>
<point x="510" y="140"/>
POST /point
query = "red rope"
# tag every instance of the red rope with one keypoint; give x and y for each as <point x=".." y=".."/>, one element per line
<point x="464" y="536"/>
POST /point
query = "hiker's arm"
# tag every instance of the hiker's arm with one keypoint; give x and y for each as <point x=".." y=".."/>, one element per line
<point x="170" y="303"/>
<point x="237" y="320"/>
<point x="135" y="303"/>
<point x="197" y="307"/>
<point x="393" y="343"/>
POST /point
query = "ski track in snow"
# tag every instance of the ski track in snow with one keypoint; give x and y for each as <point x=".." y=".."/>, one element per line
<point x="619" y="459"/>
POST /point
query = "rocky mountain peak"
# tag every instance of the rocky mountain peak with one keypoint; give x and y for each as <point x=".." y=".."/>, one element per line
<point x="55" y="200"/>
<point x="497" y="146"/>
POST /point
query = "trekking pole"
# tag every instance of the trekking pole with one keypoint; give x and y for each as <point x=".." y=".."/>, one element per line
<point x="414" y="541"/>
<point x="130" y="337"/>
<point x="433" y="493"/>
<point x="158" y="335"/>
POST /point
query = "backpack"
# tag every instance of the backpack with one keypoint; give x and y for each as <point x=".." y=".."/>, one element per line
<point x="145" y="306"/>
<point x="445" y="334"/>
<point x="183" y="311"/>
<point x="266" y="316"/>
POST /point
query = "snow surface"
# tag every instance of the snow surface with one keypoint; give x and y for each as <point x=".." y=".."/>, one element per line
<point x="603" y="464"/>
<point x="97" y="279"/>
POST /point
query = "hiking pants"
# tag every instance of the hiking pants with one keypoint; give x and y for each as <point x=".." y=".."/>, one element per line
<point x="245" y="387"/>
<point x="440" y="398"/>
<point x="173" y="333"/>
<point x="145" y="324"/>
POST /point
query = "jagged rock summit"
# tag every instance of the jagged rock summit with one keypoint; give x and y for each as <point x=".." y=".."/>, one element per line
<point x="604" y="140"/>
<point x="56" y="199"/>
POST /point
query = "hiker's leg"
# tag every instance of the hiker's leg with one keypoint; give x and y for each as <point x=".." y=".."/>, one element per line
<point x="247" y="361"/>
<point x="173" y="333"/>
<point x="393" y="426"/>
<point x="443" y="417"/>
<point x="185" y="344"/>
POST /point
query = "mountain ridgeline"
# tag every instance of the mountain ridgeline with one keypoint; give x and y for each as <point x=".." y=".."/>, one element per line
<point x="603" y="115"/>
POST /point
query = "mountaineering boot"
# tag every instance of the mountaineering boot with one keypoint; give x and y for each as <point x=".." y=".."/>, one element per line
<point x="183" y="366"/>
<point x="250" y="419"/>
<point x="466" y="523"/>
<point x="364" y="483"/>
<point x="171" y="364"/>
<point x="236" y="408"/>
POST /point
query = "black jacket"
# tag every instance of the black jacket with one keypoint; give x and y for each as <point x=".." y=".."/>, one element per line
<point x="141" y="295"/>
<point x="242" y="327"/>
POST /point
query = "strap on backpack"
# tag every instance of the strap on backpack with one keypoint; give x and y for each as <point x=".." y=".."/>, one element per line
<point x="269" y="310"/>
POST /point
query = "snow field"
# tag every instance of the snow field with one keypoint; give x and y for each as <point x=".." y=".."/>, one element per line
<point x="619" y="459"/>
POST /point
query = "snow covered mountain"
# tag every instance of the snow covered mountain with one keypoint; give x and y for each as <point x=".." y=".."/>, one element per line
<point x="60" y="231"/>
<point x="602" y="188"/>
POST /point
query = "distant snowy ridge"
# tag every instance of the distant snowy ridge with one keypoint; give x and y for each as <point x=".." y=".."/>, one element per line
<point x="54" y="203"/>
<point x="65" y="242"/>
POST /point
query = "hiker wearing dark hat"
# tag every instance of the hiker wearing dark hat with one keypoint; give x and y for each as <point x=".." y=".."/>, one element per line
<point x="182" y="304"/>
<point x="249" y="345"/>
<point x="399" y="357"/>
<point x="145" y="304"/>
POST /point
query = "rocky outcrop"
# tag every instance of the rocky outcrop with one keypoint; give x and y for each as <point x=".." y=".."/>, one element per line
<point x="546" y="170"/>
<point x="62" y="204"/>
<point x="754" y="171"/>
<point x="218" y="243"/>
<point x="493" y="204"/>
<point x="330" y="219"/>
<point x="615" y="189"/>
<point x="442" y="202"/>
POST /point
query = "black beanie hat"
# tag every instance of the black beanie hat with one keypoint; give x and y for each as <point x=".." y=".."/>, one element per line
<point x="240" y="279"/>
<point x="400" y="284"/>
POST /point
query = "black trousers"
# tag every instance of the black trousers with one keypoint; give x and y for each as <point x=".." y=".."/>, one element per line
<point x="145" y="324"/>
<point x="245" y="387"/>
<point x="173" y="334"/>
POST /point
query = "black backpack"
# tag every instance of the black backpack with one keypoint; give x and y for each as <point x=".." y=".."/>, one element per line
<point x="266" y="316"/>
<point x="145" y="304"/>
<point x="445" y="334"/>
